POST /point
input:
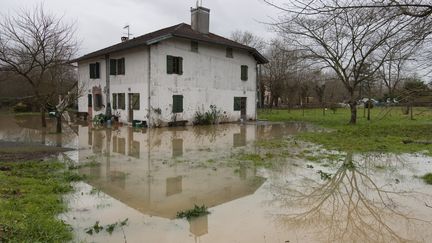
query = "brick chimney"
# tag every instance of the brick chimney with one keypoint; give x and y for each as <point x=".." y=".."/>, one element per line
<point x="200" y="19"/>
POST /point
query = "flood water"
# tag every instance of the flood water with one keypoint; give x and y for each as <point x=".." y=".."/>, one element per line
<point x="259" y="184"/>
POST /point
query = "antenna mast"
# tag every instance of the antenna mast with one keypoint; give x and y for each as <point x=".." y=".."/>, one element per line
<point x="128" y="33"/>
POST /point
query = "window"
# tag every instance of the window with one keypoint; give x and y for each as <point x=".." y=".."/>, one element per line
<point x="113" y="66"/>
<point x="98" y="101"/>
<point x="121" y="101"/>
<point x="194" y="46"/>
<point x="114" y="101"/>
<point x="237" y="103"/>
<point x="229" y="52"/>
<point x="94" y="70"/>
<point x="174" y="65"/>
<point x="177" y="103"/>
<point x="89" y="100"/>
<point x="121" y="66"/>
<point x="244" y="72"/>
<point x="135" y="101"/>
<point x="117" y="66"/>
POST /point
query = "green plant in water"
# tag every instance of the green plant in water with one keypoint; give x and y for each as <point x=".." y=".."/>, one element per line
<point x="209" y="117"/>
<point x="427" y="178"/>
<point x="324" y="176"/>
<point x="197" y="211"/>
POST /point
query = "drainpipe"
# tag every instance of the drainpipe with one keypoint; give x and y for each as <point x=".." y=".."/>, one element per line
<point x="149" y="87"/>
<point x="108" y="112"/>
<point x="257" y="82"/>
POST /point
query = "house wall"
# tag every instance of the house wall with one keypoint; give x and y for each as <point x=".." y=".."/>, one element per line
<point x="209" y="78"/>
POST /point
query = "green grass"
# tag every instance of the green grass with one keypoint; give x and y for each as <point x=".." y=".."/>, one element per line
<point x="384" y="133"/>
<point x="427" y="178"/>
<point x="195" y="212"/>
<point x="31" y="199"/>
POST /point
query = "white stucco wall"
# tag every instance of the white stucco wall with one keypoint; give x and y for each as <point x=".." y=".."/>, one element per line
<point x="209" y="78"/>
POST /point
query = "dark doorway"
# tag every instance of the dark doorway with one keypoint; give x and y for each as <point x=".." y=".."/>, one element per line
<point x="90" y="105"/>
<point x="243" y="107"/>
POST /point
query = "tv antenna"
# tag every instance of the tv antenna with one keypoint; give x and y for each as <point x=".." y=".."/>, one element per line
<point x="128" y="31"/>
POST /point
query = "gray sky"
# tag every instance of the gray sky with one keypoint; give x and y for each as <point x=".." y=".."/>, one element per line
<point x="100" y="22"/>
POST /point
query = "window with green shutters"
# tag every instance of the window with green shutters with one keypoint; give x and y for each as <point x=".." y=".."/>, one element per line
<point x="177" y="103"/>
<point x="94" y="70"/>
<point x="194" y="46"/>
<point x="135" y="101"/>
<point x="121" y="66"/>
<point x="237" y="103"/>
<point x="113" y="66"/>
<point x="244" y="72"/>
<point x="117" y="66"/>
<point x="121" y="101"/>
<point x="174" y="65"/>
<point x="114" y="101"/>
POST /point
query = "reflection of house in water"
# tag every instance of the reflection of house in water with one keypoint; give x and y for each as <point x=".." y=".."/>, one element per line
<point x="149" y="170"/>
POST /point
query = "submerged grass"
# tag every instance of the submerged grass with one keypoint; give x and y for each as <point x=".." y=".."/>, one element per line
<point x="30" y="200"/>
<point x="385" y="132"/>
<point x="427" y="178"/>
<point x="195" y="212"/>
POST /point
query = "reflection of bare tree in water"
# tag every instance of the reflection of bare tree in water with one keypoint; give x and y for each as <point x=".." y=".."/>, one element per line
<point x="350" y="206"/>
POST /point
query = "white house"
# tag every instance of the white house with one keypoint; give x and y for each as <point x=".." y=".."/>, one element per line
<point x="170" y="74"/>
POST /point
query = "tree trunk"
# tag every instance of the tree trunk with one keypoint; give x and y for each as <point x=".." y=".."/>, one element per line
<point x="353" y="107"/>
<point x="411" y="112"/>
<point x="43" y="120"/>
<point x="59" y="125"/>
<point x="369" y="108"/>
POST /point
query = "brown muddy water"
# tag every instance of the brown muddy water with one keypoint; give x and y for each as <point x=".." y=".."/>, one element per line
<point x="258" y="182"/>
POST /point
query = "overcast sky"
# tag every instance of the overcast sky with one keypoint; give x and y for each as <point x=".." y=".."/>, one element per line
<point x="100" y="22"/>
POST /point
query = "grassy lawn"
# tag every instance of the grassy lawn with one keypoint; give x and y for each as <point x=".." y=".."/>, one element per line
<point x="385" y="132"/>
<point x="30" y="200"/>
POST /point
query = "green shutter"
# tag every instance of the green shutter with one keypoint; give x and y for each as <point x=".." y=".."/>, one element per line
<point x="177" y="103"/>
<point x="114" y="101"/>
<point x="113" y="67"/>
<point x="244" y="72"/>
<point x="121" y="66"/>
<point x="97" y="73"/>
<point x="180" y="65"/>
<point x="237" y="103"/>
<point x="91" y="70"/>
<point x="170" y="64"/>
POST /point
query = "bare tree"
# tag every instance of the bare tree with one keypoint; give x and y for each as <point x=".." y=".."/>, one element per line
<point x="412" y="8"/>
<point x="249" y="39"/>
<point x="280" y="74"/>
<point x="348" y="39"/>
<point x="34" y="43"/>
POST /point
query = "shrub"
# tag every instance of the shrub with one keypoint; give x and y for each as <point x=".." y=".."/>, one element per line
<point x="21" y="107"/>
<point x="209" y="117"/>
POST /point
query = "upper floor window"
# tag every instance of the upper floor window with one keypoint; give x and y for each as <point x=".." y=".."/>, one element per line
<point x="229" y="52"/>
<point x="117" y="66"/>
<point x="94" y="70"/>
<point x="244" y="72"/>
<point x="174" y="65"/>
<point x="194" y="46"/>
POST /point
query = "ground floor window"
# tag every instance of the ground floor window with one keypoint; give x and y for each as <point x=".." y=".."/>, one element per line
<point x="237" y="103"/>
<point x="114" y="101"/>
<point x="135" y="101"/>
<point x="177" y="103"/>
<point x="89" y="100"/>
<point x="98" y="102"/>
<point x="119" y="101"/>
